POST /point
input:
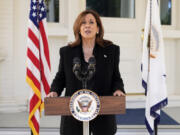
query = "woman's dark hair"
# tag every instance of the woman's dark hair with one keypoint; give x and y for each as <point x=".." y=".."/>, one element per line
<point x="77" y="24"/>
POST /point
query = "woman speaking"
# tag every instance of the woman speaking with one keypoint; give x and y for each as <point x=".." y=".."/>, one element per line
<point x="106" y="81"/>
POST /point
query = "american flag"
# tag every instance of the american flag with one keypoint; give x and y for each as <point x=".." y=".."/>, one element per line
<point x="38" y="63"/>
<point x="153" y="67"/>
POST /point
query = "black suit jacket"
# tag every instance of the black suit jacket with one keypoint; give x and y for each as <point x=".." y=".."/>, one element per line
<point x="107" y="76"/>
<point x="107" y="79"/>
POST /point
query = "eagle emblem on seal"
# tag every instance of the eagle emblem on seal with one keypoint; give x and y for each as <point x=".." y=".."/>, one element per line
<point x="84" y="106"/>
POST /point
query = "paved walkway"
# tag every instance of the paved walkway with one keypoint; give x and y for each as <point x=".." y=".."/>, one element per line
<point x="21" y="119"/>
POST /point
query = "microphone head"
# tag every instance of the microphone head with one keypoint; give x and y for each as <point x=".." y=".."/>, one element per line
<point x="91" y="67"/>
<point x="76" y="60"/>
<point x="92" y="60"/>
<point x="76" y="65"/>
<point x="77" y="68"/>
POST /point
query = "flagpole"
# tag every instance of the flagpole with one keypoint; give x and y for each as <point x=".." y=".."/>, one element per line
<point x="31" y="132"/>
<point x="149" y="38"/>
<point x="149" y="42"/>
<point x="149" y="53"/>
<point x="155" y="129"/>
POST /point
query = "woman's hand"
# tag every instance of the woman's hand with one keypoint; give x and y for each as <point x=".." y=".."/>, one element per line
<point x="52" y="94"/>
<point x="118" y="93"/>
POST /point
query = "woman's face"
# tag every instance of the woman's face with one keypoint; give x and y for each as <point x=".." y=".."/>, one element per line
<point x="89" y="28"/>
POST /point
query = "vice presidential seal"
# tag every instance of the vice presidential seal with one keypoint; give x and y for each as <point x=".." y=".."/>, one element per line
<point x="84" y="105"/>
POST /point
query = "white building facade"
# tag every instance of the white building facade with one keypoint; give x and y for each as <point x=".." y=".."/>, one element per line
<point x="125" y="32"/>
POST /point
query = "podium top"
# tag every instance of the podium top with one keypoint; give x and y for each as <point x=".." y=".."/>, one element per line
<point x="60" y="105"/>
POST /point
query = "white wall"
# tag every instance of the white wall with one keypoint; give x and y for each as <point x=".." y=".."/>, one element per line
<point x="178" y="49"/>
<point x="14" y="91"/>
<point x="6" y="43"/>
<point x="20" y="15"/>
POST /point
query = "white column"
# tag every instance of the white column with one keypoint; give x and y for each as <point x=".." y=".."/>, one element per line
<point x="178" y="47"/>
<point x="177" y="92"/>
<point x="21" y="89"/>
<point x="14" y="91"/>
<point x="6" y="66"/>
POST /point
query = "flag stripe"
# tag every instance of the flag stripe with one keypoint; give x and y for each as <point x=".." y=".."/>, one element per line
<point x="33" y="102"/>
<point x="45" y="70"/>
<point x="36" y="125"/>
<point x="35" y="71"/>
<point x="33" y="79"/>
<point x="45" y="64"/>
<point x="33" y="126"/>
<point x="33" y="59"/>
<point x="36" y="108"/>
<point x="44" y="81"/>
<point x="33" y="48"/>
<point x="33" y="28"/>
<point x="34" y="39"/>
<point x="37" y="113"/>
<point x="45" y="43"/>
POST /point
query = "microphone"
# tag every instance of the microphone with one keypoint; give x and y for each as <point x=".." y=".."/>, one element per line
<point x="77" y="67"/>
<point x="91" y="67"/>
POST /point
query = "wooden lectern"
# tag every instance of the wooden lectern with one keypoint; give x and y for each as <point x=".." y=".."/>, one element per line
<point x="60" y="105"/>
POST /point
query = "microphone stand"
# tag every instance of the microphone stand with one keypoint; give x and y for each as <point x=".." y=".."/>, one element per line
<point x="84" y="77"/>
<point x="85" y="123"/>
<point x="84" y="80"/>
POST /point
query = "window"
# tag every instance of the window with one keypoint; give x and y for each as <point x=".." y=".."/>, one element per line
<point x="52" y="10"/>
<point x="113" y="8"/>
<point x="165" y="11"/>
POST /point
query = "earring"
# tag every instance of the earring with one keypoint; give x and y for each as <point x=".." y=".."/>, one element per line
<point x="97" y="32"/>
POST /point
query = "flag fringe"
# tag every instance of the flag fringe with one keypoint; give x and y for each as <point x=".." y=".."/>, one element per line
<point x="33" y="86"/>
<point x="39" y="105"/>
<point x="158" y="106"/>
